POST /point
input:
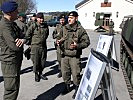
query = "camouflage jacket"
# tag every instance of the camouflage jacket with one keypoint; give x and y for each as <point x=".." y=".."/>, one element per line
<point x="30" y="23"/>
<point x="9" y="32"/>
<point x="75" y="34"/>
<point x="57" y="32"/>
<point x="22" y="27"/>
<point x="36" y="35"/>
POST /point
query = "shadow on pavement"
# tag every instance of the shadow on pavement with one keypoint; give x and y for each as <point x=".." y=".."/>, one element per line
<point x="26" y="70"/>
<point x="52" y="93"/>
<point x="84" y="59"/>
<point x="23" y="71"/>
<point x="55" y="68"/>
<point x="53" y="71"/>
<point x="1" y="79"/>
<point x="50" y="49"/>
<point x="83" y="62"/>
<point x="100" y="97"/>
<point x="50" y="63"/>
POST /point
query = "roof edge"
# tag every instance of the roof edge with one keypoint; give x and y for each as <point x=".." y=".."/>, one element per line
<point x="81" y="3"/>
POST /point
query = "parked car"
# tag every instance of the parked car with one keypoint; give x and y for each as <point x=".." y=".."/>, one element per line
<point x="53" y="22"/>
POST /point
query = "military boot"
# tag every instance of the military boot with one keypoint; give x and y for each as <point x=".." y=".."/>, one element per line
<point x="37" y="77"/>
<point x="59" y="75"/>
<point x="76" y="89"/>
<point x="67" y="89"/>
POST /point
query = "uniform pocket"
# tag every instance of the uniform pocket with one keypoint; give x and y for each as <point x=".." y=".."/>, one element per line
<point x="70" y="53"/>
<point x="11" y="83"/>
<point x="11" y="74"/>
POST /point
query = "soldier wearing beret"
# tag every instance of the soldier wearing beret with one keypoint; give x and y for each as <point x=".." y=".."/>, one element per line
<point x="33" y="20"/>
<point x="37" y="34"/>
<point x="111" y="26"/>
<point x="74" y="39"/>
<point x="57" y="35"/>
<point x="11" y="51"/>
<point x="21" y="23"/>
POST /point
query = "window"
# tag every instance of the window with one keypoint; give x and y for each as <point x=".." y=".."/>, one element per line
<point x="117" y="13"/>
<point x="93" y="14"/>
<point x="85" y="14"/>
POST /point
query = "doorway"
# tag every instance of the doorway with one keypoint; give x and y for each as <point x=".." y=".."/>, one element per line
<point x="102" y="20"/>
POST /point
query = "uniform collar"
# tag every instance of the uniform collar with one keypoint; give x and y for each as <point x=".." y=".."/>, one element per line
<point x="6" y="20"/>
<point x="72" y="28"/>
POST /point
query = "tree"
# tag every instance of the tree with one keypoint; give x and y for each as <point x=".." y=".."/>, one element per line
<point x="26" y="5"/>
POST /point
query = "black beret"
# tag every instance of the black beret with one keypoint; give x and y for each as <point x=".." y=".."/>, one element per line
<point x="62" y="16"/>
<point x="73" y="13"/>
<point x="40" y="15"/>
<point x="34" y="15"/>
<point x="9" y="6"/>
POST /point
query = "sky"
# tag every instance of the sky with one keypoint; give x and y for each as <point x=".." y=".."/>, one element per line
<point x="56" y="5"/>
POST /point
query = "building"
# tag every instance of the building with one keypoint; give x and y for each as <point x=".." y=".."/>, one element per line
<point x="95" y="13"/>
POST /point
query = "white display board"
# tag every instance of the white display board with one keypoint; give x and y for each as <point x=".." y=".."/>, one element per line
<point x="93" y="71"/>
<point x="104" y="43"/>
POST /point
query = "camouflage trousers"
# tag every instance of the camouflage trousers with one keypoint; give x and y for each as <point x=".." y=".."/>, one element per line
<point x="38" y="57"/>
<point x="59" y="59"/>
<point x="11" y="75"/>
<point x="71" y="65"/>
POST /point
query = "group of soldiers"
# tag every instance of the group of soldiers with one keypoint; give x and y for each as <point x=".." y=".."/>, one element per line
<point x="70" y="38"/>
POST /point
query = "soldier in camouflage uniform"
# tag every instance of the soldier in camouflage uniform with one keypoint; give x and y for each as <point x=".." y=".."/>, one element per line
<point x="21" y="23"/>
<point x="74" y="39"/>
<point x="37" y="33"/>
<point x="56" y="35"/>
<point x="11" y="56"/>
<point x="33" y="20"/>
<point x="111" y="26"/>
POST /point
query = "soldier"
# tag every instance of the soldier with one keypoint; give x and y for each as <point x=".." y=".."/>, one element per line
<point x="21" y="23"/>
<point x="33" y="20"/>
<point x="11" y="53"/>
<point x="74" y="39"/>
<point x="56" y="35"/>
<point x="37" y="33"/>
<point x="111" y="26"/>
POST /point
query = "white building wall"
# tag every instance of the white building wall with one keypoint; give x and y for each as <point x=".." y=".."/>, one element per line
<point x="87" y="20"/>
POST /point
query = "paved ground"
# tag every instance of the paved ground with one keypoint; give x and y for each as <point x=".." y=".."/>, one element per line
<point x="51" y="89"/>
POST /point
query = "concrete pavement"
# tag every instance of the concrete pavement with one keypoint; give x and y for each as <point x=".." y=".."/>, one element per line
<point x="51" y="89"/>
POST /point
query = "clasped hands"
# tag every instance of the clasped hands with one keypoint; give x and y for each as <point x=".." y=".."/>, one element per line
<point x="73" y="45"/>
